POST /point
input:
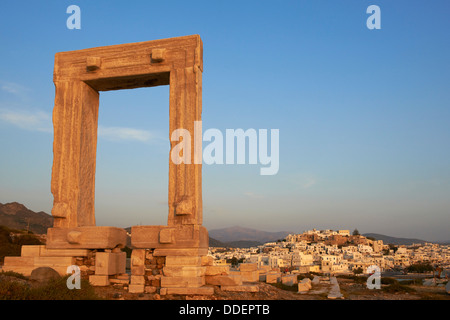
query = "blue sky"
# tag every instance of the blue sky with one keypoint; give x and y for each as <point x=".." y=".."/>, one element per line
<point x="364" y="115"/>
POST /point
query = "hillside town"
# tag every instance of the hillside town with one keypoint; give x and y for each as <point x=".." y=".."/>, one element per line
<point x="335" y="252"/>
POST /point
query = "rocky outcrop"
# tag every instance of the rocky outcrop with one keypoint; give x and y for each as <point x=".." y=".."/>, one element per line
<point x="16" y="216"/>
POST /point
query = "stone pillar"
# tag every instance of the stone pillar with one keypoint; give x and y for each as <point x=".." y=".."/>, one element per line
<point x="75" y="118"/>
<point x="185" y="180"/>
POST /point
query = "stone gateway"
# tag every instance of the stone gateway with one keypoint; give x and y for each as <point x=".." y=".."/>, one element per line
<point x="79" y="77"/>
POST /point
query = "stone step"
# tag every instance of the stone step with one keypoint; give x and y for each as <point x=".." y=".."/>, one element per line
<point x="205" y="290"/>
<point x="250" y="276"/>
<point x="176" y="282"/>
<point x="136" y="288"/>
<point x="248" y="267"/>
<point x="172" y="261"/>
<point x="241" y="288"/>
<point x="217" y="270"/>
<point x="184" y="271"/>
<point x="25" y="265"/>
<point x="224" y="280"/>
<point x="42" y="251"/>
<point x="99" y="280"/>
<point x="119" y="281"/>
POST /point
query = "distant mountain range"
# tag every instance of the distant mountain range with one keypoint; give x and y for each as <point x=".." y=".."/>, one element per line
<point x="393" y="240"/>
<point x="245" y="236"/>
<point x="16" y="216"/>
<point x="233" y="244"/>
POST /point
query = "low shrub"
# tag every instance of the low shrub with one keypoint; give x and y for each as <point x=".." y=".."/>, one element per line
<point x="420" y="268"/>
<point x="13" y="290"/>
<point x="397" y="287"/>
<point x="417" y="281"/>
<point x="11" y="246"/>
<point x="54" y="289"/>
<point x="357" y="279"/>
<point x="13" y="274"/>
<point x="387" y="280"/>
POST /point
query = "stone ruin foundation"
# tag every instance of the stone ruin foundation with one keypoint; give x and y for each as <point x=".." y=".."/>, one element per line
<point x="170" y="259"/>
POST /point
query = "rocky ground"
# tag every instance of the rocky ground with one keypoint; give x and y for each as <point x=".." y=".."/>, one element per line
<point x="349" y="289"/>
<point x="266" y="292"/>
<point x="358" y="291"/>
